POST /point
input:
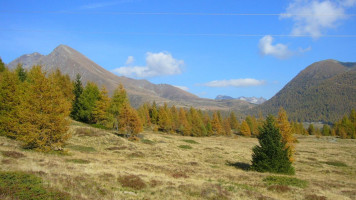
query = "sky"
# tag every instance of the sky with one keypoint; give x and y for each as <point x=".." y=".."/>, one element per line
<point x="207" y="47"/>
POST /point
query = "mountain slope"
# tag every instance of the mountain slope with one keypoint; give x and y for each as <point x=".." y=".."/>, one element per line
<point x="324" y="91"/>
<point x="72" y="62"/>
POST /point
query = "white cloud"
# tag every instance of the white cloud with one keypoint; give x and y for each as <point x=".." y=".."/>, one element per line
<point x="278" y="50"/>
<point x="247" y="82"/>
<point x="129" y="60"/>
<point x="312" y="17"/>
<point x="181" y="87"/>
<point x="157" y="64"/>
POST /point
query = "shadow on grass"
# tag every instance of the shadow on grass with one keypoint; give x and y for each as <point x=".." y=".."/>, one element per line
<point x="239" y="165"/>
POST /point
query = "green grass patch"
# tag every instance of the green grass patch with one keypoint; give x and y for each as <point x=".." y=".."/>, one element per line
<point x="336" y="163"/>
<point x="288" y="181"/>
<point x="185" y="147"/>
<point x="147" y="141"/>
<point x="24" y="186"/>
<point x="81" y="148"/>
<point x="191" y="141"/>
<point x="78" y="161"/>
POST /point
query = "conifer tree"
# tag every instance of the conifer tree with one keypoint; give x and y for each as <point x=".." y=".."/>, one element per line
<point x="311" y="129"/>
<point x="326" y="130"/>
<point x="198" y="128"/>
<point x="234" y="123"/>
<point x="87" y="101"/>
<point x="271" y="155"/>
<point x="226" y="126"/>
<point x="245" y="129"/>
<point x="21" y="72"/>
<point x="128" y="120"/>
<point x="101" y="114"/>
<point x="286" y="132"/>
<point x="64" y="82"/>
<point x="216" y="124"/>
<point x="118" y="100"/>
<point x="184" y="126"/>
<point x="154" y="113"/>
<point x="9" y="103"/>
<point x="43" y="122"/>
<point x="164" y="120"/>
<point x="2" y="66"/>
<point x="77" y="91"/>
<point x="144" y="114"/>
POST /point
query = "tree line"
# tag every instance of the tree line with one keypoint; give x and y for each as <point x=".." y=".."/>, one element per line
<point x="36" y="107"/>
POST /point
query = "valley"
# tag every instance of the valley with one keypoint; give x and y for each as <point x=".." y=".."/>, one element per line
<point x="101" y="165"/>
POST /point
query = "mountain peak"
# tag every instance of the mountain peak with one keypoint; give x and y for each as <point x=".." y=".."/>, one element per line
<point x="63" y="49"/>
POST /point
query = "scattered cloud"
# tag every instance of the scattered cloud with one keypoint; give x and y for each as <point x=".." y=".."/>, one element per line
<point x="182" y="87"/>
<point x="129" y="60"/>
<point x="312" y="17"/>
<point x="157" y="64"/>
<point x="247" y="82"/>
<point x="280" y="51"/>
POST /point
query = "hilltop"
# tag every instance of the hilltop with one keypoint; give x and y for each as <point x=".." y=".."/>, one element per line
<point x="324" y="91"/>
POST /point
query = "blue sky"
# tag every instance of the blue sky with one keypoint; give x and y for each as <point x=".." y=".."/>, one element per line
<point x="209" y="47"/>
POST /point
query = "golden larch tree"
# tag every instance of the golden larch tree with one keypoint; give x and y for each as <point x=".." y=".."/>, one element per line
<point x="245" y="129"/>
<point x="286" y="132"/>
<point x="128" y="120"/>
<point x="44" y="116"/>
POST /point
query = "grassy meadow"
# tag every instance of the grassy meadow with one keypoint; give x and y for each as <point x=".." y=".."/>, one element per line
<point x="98" y="164"/>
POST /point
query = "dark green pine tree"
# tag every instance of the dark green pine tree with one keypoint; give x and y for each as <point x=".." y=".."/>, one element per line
<point x="21" y="72"/>
<point x="2" y="66"/>
<point x="77" y="90"/>
<point x="271" y="155"/>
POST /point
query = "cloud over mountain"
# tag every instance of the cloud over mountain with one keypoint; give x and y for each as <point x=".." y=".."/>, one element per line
<point x="157" y="64"/>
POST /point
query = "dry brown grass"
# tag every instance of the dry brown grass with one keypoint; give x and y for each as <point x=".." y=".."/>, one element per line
<point x="214" y="168"/>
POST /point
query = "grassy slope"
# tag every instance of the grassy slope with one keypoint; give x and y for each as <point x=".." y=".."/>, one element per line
<point x="210" y="169"/>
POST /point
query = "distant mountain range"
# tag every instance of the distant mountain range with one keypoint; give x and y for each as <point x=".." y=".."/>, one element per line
<point x="324" y="91"/>
<point x="253" y="100"/>
<point x="72" y="62"/>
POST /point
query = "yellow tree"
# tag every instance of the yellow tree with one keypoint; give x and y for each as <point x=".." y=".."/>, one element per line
<point x="245" y="129"/>
<point x="286" y="132"/>
<point x="164" y="119"/>
<point x="183" y="124"/>
<point x="234" y="123"/>
<point x="101" y="113"/>
<point x="216" y="124"/>
<point x="9" y="103"/>
<point x="64" y="82"/>
<point x="44" y="116"/>
<point x="226" y="126"/>
<point x="128" y="120"/>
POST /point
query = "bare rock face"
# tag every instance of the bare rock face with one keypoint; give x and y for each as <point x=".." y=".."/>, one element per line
<point x="71" y="62"/>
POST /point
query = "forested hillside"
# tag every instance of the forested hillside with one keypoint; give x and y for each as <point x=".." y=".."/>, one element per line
<point x="324" y="91"/>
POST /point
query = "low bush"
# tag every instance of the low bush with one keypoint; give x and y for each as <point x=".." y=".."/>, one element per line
<point x="132" y="181"/>
<point x="24" y="186"/>
<point x="190" y="141"/>
<point x="12" y="154"/>
<point x="185" y="147"/>
<point x="336" y="163"/>
<point x="78" y="161"/>
<point x="287" y="181"/>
